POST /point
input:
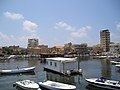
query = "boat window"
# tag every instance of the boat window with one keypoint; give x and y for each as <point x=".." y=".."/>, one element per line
<point x="46" y="62"/>
<point x="51" y="63"/>
<point x="119" y="82"/>
<point x="55" y="64"/>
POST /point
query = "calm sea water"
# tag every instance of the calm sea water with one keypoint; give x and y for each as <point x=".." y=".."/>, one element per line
<point x="91" y="68"/>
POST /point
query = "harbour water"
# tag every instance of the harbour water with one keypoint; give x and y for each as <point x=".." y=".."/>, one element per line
<point x="91" y="68"/>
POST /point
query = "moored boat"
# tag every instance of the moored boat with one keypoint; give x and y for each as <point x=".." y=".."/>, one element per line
<point x="56" y="85"/>
<point x="118" y="65"/>
<point x="104" y="83"/>
<point x="27" y="85"/>
<point x="115" y="62"/>
<point x="18" y="70"/>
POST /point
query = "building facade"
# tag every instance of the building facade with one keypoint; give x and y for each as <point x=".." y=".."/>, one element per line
<point x="68" y="48"/>
<point x="81" y="49"/>
<point x="32" y="43"/>
<point x="115" y="48"/>
<point x="61" y="65"/>
<point x="105" y="39"/>
<point x="97" y="49"/>
<point x="44" y="49"/>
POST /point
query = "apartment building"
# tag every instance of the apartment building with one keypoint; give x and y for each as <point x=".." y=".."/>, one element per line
<point x="32" y="42"/>
<point x="105" y="39"/>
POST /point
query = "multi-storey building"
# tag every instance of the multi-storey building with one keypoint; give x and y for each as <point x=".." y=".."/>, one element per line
<point x="81" y="49"/>
<point x="32" y="43"/>
<point x="97" y="49"/>
<point x="105" y="39"/>
<point x="0" y="50"/>
<point x="115" y="48"/>
<point x="68" y="48"/>
<point x="44" y="48"/>
<point x="57" y="50"/>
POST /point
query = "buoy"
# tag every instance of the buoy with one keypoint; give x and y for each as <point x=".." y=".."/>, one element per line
<point x="68" y="72"/>
<point x="80" y="70"/>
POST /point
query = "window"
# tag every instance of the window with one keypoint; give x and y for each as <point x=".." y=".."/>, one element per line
<point x="55" y="64"/>
<point x="50" y="63"/>
<point x="46" y="62"/>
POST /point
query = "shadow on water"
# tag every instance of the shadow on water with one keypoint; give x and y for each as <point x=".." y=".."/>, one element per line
<point x="73" y="79"/>
<point x="91" y="87"/>
<point x="18" y="74"/>
<point x="118" y="70"/>
<point x="19" y="88"/>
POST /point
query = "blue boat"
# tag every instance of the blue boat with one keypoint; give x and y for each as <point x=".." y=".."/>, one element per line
<point x="104" y="83"/>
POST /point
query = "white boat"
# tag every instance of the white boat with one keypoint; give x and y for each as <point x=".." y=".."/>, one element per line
<point x="27" y="85"/>
<point x="56" y="85"/>
<point x="11" y="56"/>
<point x="118" y="65"/>
<point x="115" y="62"/>
<point x="104" y="83"/>
<point x="18" y="70"/>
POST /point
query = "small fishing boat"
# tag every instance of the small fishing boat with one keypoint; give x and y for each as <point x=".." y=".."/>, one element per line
<point x="18" y="70"/>
<point x="118" y="65"/>
<point x="27" y="85"/>
<point x="56" y="85"/>
<point x="115" y="62"/>
<point x="104" y="83"/>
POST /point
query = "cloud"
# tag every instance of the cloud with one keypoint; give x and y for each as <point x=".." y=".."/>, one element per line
<point x="118" y="26"/>
<point x="22" y="41"/>
<point x="3" y="36"/>
<point x="82" y="32"/>
<point x="29" y="26"/>
<point x="13" y="16"/>
<point x="64" y="25"/>
<point x="115" y="36"/>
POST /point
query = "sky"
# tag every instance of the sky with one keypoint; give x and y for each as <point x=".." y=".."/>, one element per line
<point x="56" y="22"/>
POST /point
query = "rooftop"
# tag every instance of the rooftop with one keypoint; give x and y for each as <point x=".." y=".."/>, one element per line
<point x="62" y="59"/>
<point x="59" y="47"/>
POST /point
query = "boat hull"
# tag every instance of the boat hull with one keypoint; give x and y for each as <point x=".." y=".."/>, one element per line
<point x="102" y="85"/>
<point x="17" y="71"/>
<point x="27" y="85"/>
<point x="118" y="66"/>
<point x="56" y="86"/>
<point x="51" y="88"/>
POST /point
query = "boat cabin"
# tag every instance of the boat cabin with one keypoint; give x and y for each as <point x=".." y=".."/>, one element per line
<point x="61" y="65"/>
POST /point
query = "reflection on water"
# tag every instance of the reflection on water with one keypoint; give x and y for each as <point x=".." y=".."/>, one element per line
<point x="91" y="87"/>
<point x="91" y="68"/>
<point x="106" y="68"/>
<point x="60" y="78"/>
<point x="18" y="88"/>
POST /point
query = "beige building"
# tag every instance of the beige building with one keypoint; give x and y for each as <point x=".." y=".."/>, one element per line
<point x="68" y="48"/>
<point x="105" y="39"/>
<point x="56" y="50"/>
<point x="81" y="49"/>
<point x="34" y="51"/>
<point x="44" y="48"/>
<point x="32" y="43"/>
<point x="115" y="48"/>
<point x="0" y="50"/>
<point x="97" y="49"/>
